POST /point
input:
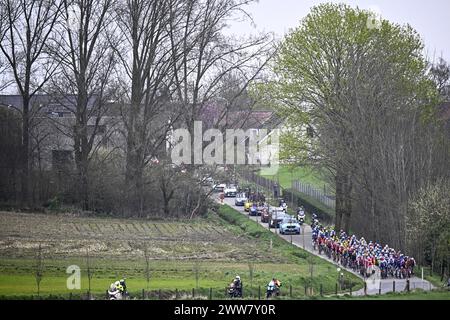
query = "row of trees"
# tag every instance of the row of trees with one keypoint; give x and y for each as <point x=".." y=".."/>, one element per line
<point x="160" y="63"/>
<point x="370" y="103"/>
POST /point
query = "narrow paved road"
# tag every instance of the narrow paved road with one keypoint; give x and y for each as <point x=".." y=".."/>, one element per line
<point x="304" y="241"/>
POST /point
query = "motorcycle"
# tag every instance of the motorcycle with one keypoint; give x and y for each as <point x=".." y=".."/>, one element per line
<point x="283" y="205"/>
<point x="116" y="295"/>
<point x="272" y="292"/>
<point x="301" y="218"/>
<point x="273" y="289"/>
<point x="234" y="292"/>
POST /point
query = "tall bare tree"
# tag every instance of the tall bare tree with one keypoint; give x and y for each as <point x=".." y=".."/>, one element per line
<point x="440" y="73"/>
<point x="39" y="268"/>
<point x="86" y="63"/>
<point x="146" y="62"/>
<point x="208" y="58"/>
<point x="26" y="36"/>
<point x="4" y="81"/>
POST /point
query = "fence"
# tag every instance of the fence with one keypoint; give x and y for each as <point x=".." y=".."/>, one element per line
<point x="256" y="292"/>
<point x="321" y="195"/>
<point x="259" y="180"/>
<point x="315" y="193"/>
<point x="290" y="197"/>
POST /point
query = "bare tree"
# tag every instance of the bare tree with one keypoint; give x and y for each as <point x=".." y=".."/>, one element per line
<point x="10" y="138"/>
<point x="167" y="185"/>
<point x="90" y="272"/>
<point x="147" y="265"/>
<point x="26" y="35"/>
<point x="207" y="59"/>
<point x="86" y="62"/>
<point x="208" y="56"/>
<point x="40" y="133"/>
<point x="440" y="74"/>
<point x="39" y="268"/>
<point x="146" y="62"/>
<point x="4" y="81"/>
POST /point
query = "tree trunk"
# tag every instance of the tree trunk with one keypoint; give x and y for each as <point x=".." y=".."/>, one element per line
<point x="81" y="160"/>
<point x="197" y="206"/>
<point x="167" y="196"/>
<point x="82" y="148"/>
<point x="132" y="161"/>
<point x="340" y="199"/>
<point x="25" y="177"/>
<point x="346" y="218"/>
<point x="140" y="192"/>
<point x="84" y="184"/>
<point x="433" y="255"/>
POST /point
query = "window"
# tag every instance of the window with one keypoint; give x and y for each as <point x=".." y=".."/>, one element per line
<point x="54" y="110"/>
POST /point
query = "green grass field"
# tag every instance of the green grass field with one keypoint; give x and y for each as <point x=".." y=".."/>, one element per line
<point x="202" y="254"/>
<point x="286" y="174"/>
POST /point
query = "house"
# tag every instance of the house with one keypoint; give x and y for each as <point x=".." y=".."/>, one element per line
<point x="53" y="121"/>
<point x="52" y="124"/>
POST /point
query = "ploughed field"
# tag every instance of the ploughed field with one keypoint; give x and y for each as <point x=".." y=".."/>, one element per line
<point x="63" y="236"/>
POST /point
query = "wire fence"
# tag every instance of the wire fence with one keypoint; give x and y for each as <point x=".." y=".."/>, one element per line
<point x="253" y="293"/>
<point x="322" y="196"/>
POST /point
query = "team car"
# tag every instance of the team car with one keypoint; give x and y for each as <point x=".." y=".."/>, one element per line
<point x="240" y="200"/>
<point x="220" y="187"/>
<point x="290" y="226"/>
<point x="253" y="210"/>
<point x="276" y="216"/>
<point x="265" y="215"/>
<point x="230" y="191"/>
<point x="247" y="205"/>
<point x="260" y="208"/>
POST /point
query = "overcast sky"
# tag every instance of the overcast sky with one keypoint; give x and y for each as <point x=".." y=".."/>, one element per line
<point x="430" y="18"/>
